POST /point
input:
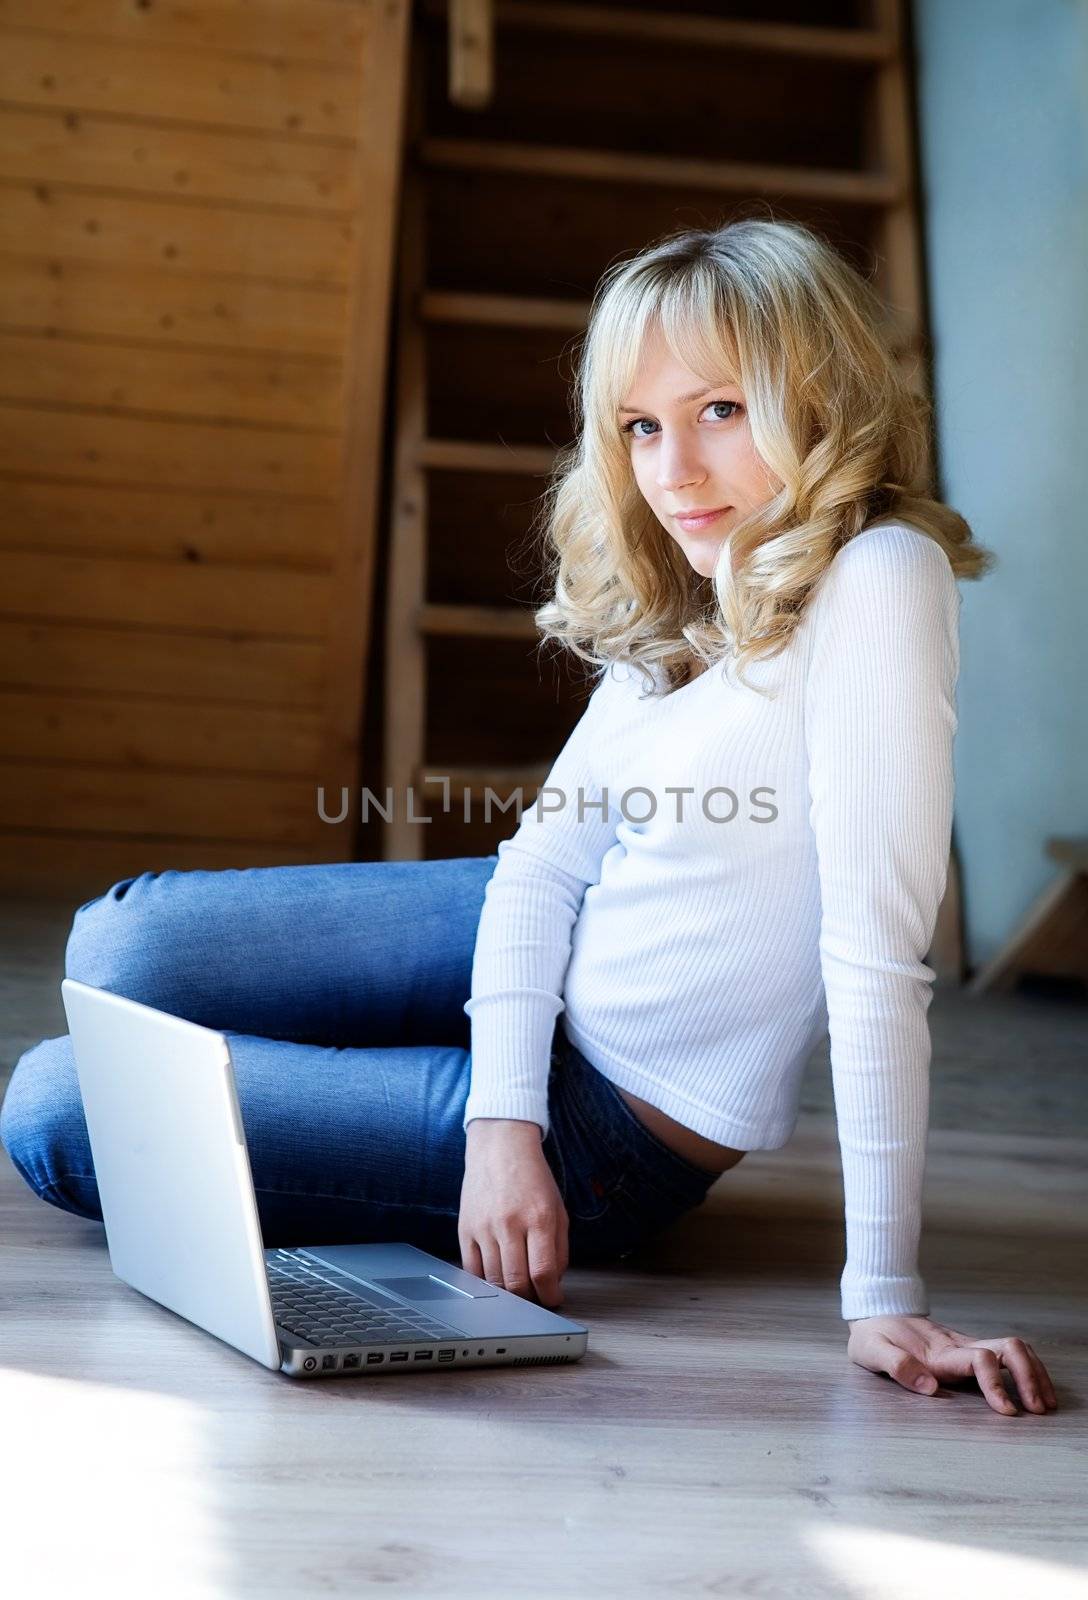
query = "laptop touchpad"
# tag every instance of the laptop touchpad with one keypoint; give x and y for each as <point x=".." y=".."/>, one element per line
<point x="422" y="1288"/>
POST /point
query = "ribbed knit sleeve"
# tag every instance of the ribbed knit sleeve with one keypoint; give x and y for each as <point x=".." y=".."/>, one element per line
<point x="880" y="719"/>
<point x="523" y="941"/>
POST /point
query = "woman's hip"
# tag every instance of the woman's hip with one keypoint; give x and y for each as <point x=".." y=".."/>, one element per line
<point x="621" y="1184"/>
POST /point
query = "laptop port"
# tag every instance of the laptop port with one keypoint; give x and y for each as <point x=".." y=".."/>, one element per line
<point x="423" y="1355"/>
<point x="446" y="1355"/>
<point x="328" y="1363"/>
<point x="501" y="1351"/>
<point x="399" y="1355"/>
<point x="351" y="1361"/>
<point x="373" y="1359"/>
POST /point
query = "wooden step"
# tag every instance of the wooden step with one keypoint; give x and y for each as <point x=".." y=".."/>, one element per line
<point x="474" y="780"/>
<point x="513" y="311"/>
<point x="503" y="310"/>
<point x="477" y="622"/>
<point x="715" y="33"/>
<point x="608" y="166"/>
<point x="461" y="455"/>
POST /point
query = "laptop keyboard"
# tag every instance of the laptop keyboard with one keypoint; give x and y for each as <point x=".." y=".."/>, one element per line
<point x="309" y="1305"/>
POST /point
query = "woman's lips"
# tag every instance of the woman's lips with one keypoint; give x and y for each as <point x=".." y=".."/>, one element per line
<point x="693" y="524"/>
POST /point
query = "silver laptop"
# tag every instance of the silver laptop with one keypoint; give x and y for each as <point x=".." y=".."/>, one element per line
<point x="176" y="1189"/>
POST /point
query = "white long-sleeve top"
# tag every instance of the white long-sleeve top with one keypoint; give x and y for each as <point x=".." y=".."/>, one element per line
<point x="709" y="881"/>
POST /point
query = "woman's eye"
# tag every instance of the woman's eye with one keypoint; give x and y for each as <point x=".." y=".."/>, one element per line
<point x="730" y="407"/>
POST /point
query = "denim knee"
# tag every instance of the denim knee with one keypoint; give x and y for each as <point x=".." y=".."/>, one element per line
<point x="43" y="1127"/>
<point x="111" y="944"/>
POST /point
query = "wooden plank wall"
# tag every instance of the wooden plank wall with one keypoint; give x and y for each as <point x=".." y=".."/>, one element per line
<point x="197" y="215"/>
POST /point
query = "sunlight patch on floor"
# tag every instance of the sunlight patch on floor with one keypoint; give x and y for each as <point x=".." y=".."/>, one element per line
<point x="103" y="1488"/>
<point x="876" y="1565"/>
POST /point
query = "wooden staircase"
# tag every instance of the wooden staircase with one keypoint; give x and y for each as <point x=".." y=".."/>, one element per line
<point x="608" y="125"/>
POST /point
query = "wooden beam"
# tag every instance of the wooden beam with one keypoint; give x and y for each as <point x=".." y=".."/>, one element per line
<point x="607" y="166"/>
<point x="668" y="27"/>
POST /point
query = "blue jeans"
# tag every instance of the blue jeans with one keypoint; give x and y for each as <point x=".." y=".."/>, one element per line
<point x="341" y="990"/>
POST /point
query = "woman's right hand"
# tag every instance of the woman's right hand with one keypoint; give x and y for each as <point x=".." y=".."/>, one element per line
<point x="513" y="1225"/>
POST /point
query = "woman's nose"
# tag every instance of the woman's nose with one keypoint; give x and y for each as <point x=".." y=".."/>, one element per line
<point x="677" y="466"/>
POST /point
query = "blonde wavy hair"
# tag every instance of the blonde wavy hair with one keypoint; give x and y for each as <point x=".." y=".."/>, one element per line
<point x="772" y="306"/>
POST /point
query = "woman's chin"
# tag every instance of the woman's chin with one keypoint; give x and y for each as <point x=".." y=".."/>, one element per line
<point x="703" y="561"/>
<point x="701" y="554"/>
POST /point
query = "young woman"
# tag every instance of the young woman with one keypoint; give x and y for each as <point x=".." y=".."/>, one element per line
<point x="743" y="843"/>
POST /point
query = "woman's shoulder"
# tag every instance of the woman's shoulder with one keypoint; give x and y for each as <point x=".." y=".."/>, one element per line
<point x="890" y="540"/>
<point x="890" y="582"/>
<point x="891" y="557"/>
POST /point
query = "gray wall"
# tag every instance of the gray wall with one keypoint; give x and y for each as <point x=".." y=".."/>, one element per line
<point x="1002" y="90"/>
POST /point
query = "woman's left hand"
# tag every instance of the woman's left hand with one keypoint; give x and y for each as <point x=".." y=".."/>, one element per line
<point x="919" y="1354"/>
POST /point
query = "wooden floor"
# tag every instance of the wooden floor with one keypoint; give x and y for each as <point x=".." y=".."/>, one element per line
<point x="714" y="1441"/>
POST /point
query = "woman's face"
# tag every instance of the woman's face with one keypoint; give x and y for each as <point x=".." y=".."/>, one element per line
<point x="691" y="451"/>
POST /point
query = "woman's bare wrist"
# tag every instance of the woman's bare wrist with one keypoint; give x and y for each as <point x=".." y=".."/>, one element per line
<point x="505" y="1129"/>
